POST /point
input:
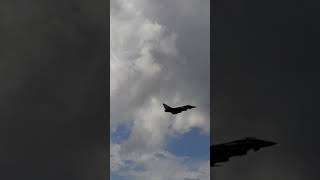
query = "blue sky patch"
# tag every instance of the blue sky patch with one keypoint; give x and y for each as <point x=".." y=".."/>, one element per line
<point x="193" y="144"/>
<point x="121" y="134"/>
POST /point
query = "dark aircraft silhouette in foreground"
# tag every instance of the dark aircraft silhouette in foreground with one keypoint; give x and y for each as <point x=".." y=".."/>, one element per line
<point x="176" y="110"/>
<point x="222" y="152"/>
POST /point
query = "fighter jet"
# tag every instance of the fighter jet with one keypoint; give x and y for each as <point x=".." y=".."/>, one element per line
<point x="222" y="152"/>
<point x="176" y="110"/>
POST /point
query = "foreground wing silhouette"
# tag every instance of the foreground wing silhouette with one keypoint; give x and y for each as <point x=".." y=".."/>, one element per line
<point x="176" y="110"/>
<point x="222" y="152"/>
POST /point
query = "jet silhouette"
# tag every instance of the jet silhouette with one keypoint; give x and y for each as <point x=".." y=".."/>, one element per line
<point x="176" y="110"/>
<point x="222" y="152"/>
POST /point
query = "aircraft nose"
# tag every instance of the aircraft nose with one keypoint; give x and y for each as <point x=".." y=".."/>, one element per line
<point x="269" y="143"/>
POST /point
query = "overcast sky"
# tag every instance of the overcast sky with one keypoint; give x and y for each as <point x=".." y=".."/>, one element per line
<point x="159" y="54"/>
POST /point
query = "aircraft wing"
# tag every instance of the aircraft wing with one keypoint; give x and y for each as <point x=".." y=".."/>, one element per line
<point x="223" y="152"/>
<point x="184" y="108"/>
<point x="220" y="153"/>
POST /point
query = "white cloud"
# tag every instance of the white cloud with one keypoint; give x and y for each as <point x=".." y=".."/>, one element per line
<point x="148" y="67"/>
<point x="162" y="165"/>
<point x="115" y="160"/>
<point x="196" y="119"/>
<point x="134" y="69"/>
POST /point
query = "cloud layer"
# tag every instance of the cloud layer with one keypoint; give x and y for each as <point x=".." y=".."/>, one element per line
<point x="152" y="63"/>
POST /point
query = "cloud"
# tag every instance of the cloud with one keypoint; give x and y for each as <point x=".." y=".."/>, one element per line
<point x="144" y="59"/>
<point x="151" y="63"/>
<point x="134" y="69"/>
<point x="164" y="166"/>
<point x="115" y="159"/>
<point x="161" y="165"/>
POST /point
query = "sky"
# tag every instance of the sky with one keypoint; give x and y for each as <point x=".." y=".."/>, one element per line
<point x="266" y="75"/>
<point x="159" y="53"/>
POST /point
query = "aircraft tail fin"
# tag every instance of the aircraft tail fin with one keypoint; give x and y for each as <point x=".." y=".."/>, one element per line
<point x="166" y="106"/>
